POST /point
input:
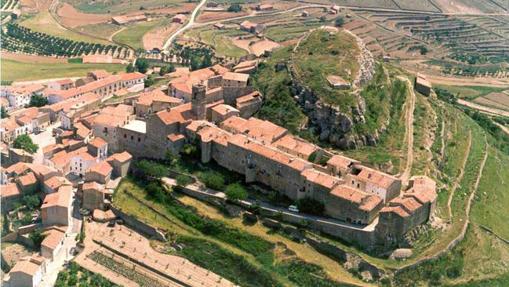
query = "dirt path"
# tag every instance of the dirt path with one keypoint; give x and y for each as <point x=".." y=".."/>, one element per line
<point x="483" y="108"/>
<point x="110" y="38"/>
<point x="409" y="132"/>
<point x="460" y="176"/>
<point x="502" y="127"/>
<point x="185" y="27"/>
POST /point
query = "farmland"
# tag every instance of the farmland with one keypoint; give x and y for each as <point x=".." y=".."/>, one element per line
<point x="122" y="6"/>
<point x="20" y="71"/>
<point x="133" y="35"/>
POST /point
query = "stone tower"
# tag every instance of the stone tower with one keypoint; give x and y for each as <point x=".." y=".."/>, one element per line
<point x="198" y="101"/>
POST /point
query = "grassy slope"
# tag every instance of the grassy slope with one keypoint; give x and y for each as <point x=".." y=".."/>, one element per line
<point x="21" y="71"/>
<point x="43" y="22"/>
<point x="261" y="264"/>
<point x="133" y="35"/>
<point x="102" y="30"/>
<point x="220" y="40"/>
<point x="321" y="55"/>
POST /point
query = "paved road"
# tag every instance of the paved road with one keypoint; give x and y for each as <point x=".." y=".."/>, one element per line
<point x="185" y="27"/>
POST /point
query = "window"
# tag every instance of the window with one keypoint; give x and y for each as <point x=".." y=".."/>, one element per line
<point x="139" y="139"/>
<point x="125" y="136"/>
<point x="132" y="138"/>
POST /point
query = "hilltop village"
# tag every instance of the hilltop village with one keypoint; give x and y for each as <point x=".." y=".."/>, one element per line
<point x="88" y="143"/>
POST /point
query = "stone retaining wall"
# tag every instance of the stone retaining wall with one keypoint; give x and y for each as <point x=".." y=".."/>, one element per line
<point x="138" y="225"/>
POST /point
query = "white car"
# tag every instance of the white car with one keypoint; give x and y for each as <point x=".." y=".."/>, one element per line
<point x="293" y="208"/>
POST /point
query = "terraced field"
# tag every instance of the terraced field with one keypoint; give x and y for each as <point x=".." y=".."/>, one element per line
<point x="121" y="6"/>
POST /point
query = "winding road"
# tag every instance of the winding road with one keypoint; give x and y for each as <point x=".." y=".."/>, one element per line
<point x="409" y="131"/>
<point x="185" y="27"/>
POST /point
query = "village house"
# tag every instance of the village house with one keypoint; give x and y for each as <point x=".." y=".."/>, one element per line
<point x="27" y="272"/>
<point x="51" y="246"/>
<point x="105" y="125"/>
<point x="104" y="86"/>
<point x="153" y="102"/>
<point x="179" y="18"/>
<point x="252" y="27"/>
<point x="10" y="194"/>
<point x="338" y="83"/>
<point x="120" y="163"/>
<point x="264" y="7"/>
<point x="249" y="104"/>
<point x="422" y="85"/>
<point x="52" y="184"/>
<point x="56" y="208"/>
<point x="94" y="195"/>
<point x="61" y="85"/>
<point x="19" y="96"/>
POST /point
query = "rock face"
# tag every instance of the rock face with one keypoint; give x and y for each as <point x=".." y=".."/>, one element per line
<point x="332" y="124"/>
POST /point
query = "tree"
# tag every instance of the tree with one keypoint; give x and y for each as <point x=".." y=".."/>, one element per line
<point x="323" y="19"/>
<point x="150" y="169"/>
<point x="184" y="180"/>
<point x="31" y="201"/>
<point x="235" y="8"/>
<point x="195" y="63"/>
<point x="141" y="65"/>
<point x="3" y="113"/>
<point x="25" y="143"/>
<point x="37" y="237"/>
<point x="130" y="68"/>
<point x="339" y="22"/>
<point x="212" y="179"/>
<point x="149" y="81"/>
<point x="38" y="101"/>
<point x="235" y="192"/>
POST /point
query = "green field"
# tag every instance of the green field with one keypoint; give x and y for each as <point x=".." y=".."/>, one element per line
<point x="120" y="6"/>
<point x="133" y="34"/>
<point x="21" y="71"/>
<point x="470" y="92"/>
<point x="102" y="30"/>
<point x="43" y="22"/>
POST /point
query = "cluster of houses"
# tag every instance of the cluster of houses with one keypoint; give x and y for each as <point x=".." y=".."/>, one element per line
<point x="212" y="107"/>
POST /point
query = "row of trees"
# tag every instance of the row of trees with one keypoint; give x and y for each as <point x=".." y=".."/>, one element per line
<point x="19" y="38"/>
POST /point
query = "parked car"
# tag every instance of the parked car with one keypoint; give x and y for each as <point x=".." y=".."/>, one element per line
<point x="293" y="208"/>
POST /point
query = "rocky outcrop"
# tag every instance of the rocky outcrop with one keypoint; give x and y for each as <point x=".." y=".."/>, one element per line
<point x="332" y="124"/>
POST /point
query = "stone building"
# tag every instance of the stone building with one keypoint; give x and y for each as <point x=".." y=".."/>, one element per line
<point x="94" y="195"/>
<point x="56" y="208"/>
<point x="422" y="85"/>
<point x="27" y="272"/>
<point x="52" y="245"/>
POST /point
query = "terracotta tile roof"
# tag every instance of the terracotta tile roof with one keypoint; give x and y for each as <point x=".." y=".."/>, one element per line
<point x="248" y="25"/>
<point x="148" y="98"/>
<point x="175" y="137"/>
<point x="28" y="179"/>
<point x="224" y="110"/>
<point x="99" y="74"/>
<point x="179" y="114"/>
<point x="341" y="162"/>
<point x="376" y="177"/>
<point x="27" y="266"/>
<point x="276" y="155"/>
<point x="246" y="64"/>
<point x="24" y="89"/>
<point x="121" y="157"/>
<point x="17" y="168"/>
<point x="209" y="133"/>
<point x="292" y="143"/>
<point x="8" y="190"/>
<point x="9" y="124"/>
<point x="97" y="142"/>
<point x="56" y="182"/>
<point x="219" y="70"/>
<point x="204" y="74"/>
<point x="248" y="98"/>
<point x="320" y="178"/>
<point x="81" y="130"/>
<point x="263" y="131"/>
<point x="370" y="202"/>
<point x="53" y="238"/>
<point x="65" y="82"/>
<point x="41" y="170"/>
<point x="103" y="168"/>
<point x="348" y="193"/>
<point x="61" y="198"/>
<point x="395" y="209"/>
<point x="408" y="203"/>
<point x="132" y="76"/>
<point x="232" y="76"/>
<point x="92" y="185"/>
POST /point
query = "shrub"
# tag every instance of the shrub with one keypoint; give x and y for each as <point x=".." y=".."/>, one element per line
<point x="235" y="8"/>
<point x="236" y="192"/>
<point x="38" y="101"/>
<point x="212" y="179"/>
<point x="3" y="113"/>
<point x="339" y="22"/>
<point x="149" y="169"/>
<point x="184" y="180"/>
<point x="37" y="237"/>
<point x="25" y="143"/>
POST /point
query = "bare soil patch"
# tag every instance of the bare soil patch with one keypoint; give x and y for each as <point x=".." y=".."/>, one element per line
<point x="157" y="37"/>
<point x="455" y="6"/>
<point x="70" y="17"/>
<point x="260" y="47"/>
<point x="184" y="8"/>
<point x="215" y="16"/>
<point x="34" y="6"/>
<point x="31" y="58"/>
